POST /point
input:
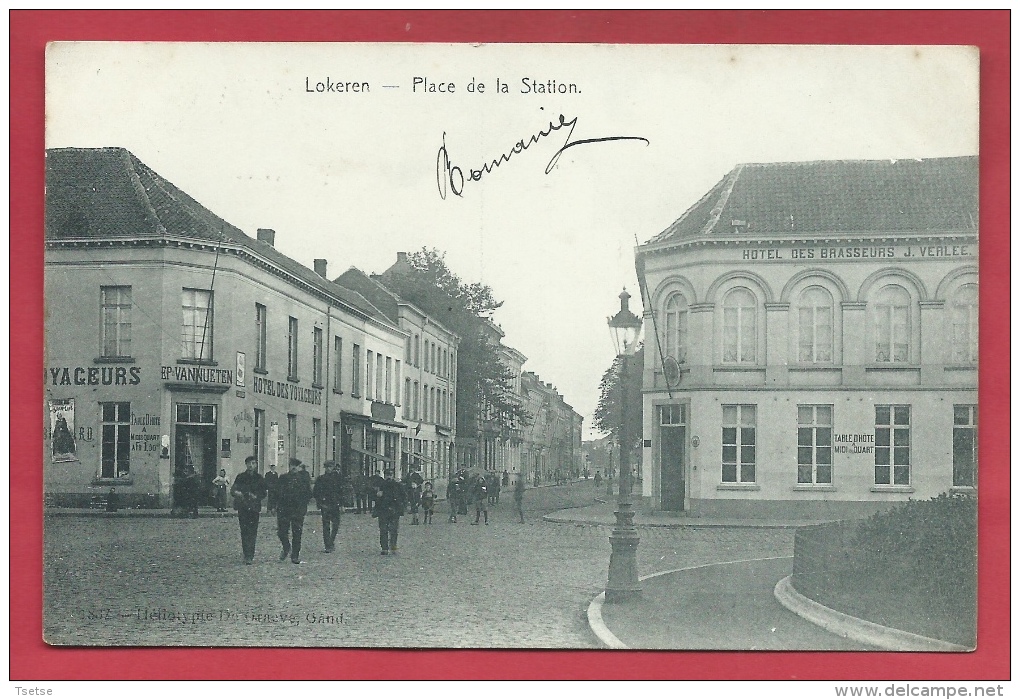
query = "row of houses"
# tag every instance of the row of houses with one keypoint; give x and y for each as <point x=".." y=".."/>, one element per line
<point x="174" y="341"/>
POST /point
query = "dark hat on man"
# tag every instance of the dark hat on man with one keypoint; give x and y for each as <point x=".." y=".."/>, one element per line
<point x="295" y="462"/>
<point x="329" y="464"/>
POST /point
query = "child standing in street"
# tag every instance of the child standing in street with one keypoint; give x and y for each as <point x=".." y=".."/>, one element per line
<point x="220" y="483"/>
<point x="428" y="502"/>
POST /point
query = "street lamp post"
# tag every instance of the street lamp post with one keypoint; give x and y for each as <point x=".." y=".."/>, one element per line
<point x="623" y="579"/>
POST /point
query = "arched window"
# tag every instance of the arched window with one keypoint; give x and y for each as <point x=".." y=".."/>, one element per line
<point x="676" y="327"/>
<point x="891" y="319"/>
<point x="740" y="326"/>
<point x="964" y="310"/>
<point x="814" y="324"/>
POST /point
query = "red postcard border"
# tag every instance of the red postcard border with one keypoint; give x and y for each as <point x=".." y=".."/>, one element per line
<point x="31" y="659"/>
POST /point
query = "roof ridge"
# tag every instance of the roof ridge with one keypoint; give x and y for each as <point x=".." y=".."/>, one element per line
<point x="194" y="208"/>
<point x="670" y="229"/>
<point x="136" y="182"/>
<point x="717" y="210"/>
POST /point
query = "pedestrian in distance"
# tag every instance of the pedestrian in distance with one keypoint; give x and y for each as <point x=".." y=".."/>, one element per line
<point x="481" y="499"/>
<point x="494" y="491"/>
<point x="192" y="488"/>
<point x="220" y="483"/>
<point x="452" y="499"/>
<point x="294" y="493"/>
<point x="248" y="491"/>
<point x="598" y="478"/>
<point x="272" y="489"/>
<point x="519" y="497"/>
<point x="390" y="503"/>
<point x="428" y="502"/>
<point x="506" y="478"/>
<point x="328" y="494"/>
<point x="463" y="492"/>
<point x="112" y="501"/>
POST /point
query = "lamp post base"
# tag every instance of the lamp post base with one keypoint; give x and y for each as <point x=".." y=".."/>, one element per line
<point x="623" y="581"/>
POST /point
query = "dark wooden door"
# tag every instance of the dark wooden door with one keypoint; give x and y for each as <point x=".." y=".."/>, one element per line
<point x="671" y="466"/>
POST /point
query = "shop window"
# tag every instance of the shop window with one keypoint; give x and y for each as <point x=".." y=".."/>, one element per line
<point x="115" y="456"/>
<point x="292" y="349"/>
<point x="676" y="327"/>
<point x="814" y="444"/>
<point x="891" y="321"/>
<point x="261" y="334"/>
<point x="738" y="444"/>
<point x="196" y="331"/>
<point x="814" y="325"/>
<point x="740" y="327"/>
<point x="964" y="310"/>
<point x="115" y="305"/>
<point x="892" y="445"/>
<point x="965" y="446"/>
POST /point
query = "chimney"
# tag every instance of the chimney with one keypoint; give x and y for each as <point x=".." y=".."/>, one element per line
<point x="320" y="267"/>
<point x="267" y="235"/>
<point x="402" y="257"/>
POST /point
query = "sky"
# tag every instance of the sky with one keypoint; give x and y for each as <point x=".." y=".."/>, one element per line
<point x="352" y="176"/>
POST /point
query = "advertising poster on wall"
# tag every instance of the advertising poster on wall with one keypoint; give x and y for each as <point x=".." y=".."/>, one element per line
<point x="62" y="431"/>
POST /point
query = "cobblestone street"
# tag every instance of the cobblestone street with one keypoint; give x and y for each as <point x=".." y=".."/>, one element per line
<point x="157" y="581"/>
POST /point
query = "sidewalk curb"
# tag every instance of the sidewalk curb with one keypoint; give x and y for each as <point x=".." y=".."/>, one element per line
<point x="849" y="627"/>
<point x="602" y="631"/>
<point x="749" y="524"/>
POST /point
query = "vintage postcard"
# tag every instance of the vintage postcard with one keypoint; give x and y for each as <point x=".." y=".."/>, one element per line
<point x="511" y="346"/>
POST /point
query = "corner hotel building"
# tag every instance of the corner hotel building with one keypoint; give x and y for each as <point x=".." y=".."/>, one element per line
<point x="174" y="340"/>
<point x="816" y="350"/>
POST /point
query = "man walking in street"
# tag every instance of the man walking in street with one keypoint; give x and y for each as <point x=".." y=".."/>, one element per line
<point x="390" y="502"/>
<point x="481" y="499"/>
<point x="519" y="496"/>
<point x="272" y="487"/>
<point x="248" y="491"/>
<point x="294" y="493"/>
<point x="328" y="495"/>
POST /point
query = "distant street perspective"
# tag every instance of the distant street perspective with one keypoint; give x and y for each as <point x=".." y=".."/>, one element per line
<point x="163" y="581"/>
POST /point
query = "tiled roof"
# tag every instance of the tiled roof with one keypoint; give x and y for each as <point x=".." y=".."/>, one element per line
<point x="109" y="193"/>
<point x="377" y="294"/>
<point x="838" y="196"/>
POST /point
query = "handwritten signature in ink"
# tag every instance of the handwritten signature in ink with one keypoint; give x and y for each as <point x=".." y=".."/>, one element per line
<point x="451" y="178"/>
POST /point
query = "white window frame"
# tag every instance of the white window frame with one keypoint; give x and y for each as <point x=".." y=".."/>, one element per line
<point x="964" y="319"/>
<point x="197" y="325"/>
<point x="736" y="314"/>
<point x="965" y="417"/>
<point x="744" y="418"/>
<point x="889" y="454"/>
<point x="816" y="327"/>
<point x="889" y="329"/>
<point x="115" y="324"/>
<point x="814" y="444"/>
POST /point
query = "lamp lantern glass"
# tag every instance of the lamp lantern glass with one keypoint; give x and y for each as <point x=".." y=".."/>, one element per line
<point x="625" y="327"/>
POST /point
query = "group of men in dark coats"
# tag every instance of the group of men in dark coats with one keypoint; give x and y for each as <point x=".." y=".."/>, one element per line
<point x="290" y="493"/>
